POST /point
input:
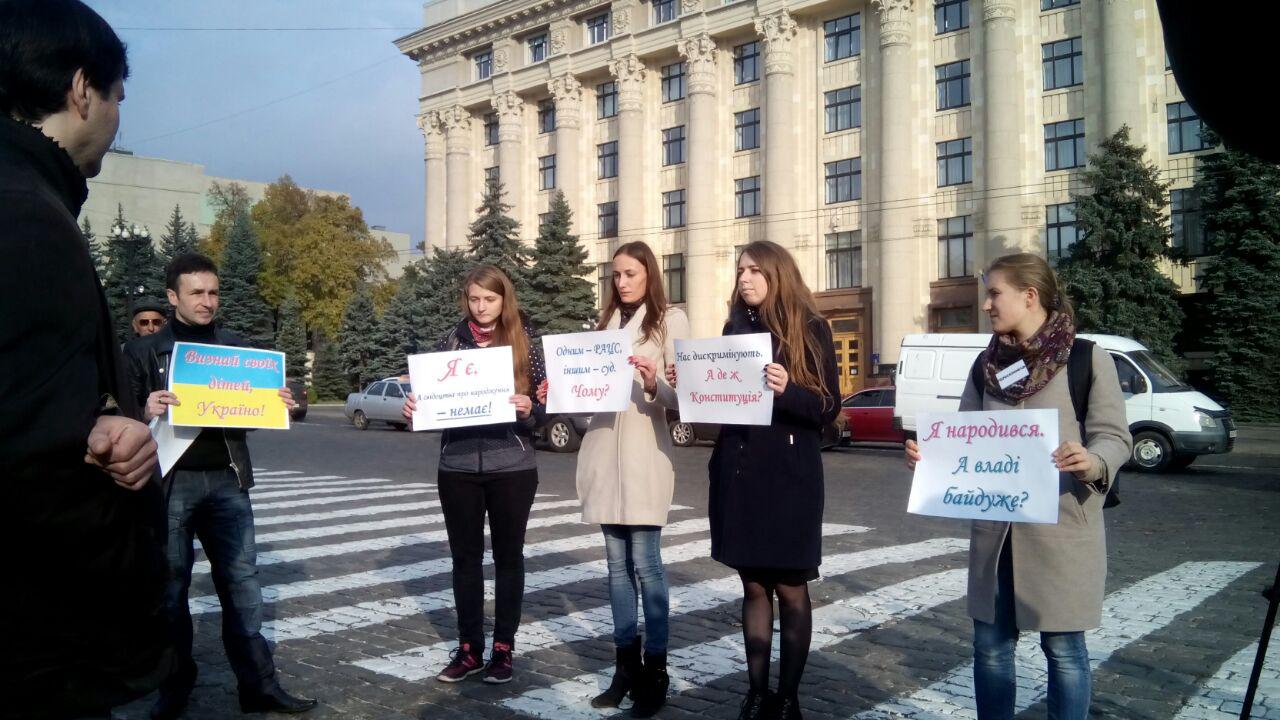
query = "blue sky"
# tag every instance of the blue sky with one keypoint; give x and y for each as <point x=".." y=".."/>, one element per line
<point x="354" y="132"/>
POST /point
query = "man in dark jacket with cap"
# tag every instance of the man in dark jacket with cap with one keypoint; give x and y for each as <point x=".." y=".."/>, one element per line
<point x="148" y="318"/>
<point x="81" y="621"/>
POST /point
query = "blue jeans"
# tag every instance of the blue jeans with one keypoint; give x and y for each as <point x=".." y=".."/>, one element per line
<point x="210" y="505"/>
<point x="634" y="553"/>
<point x="994" y="673"/>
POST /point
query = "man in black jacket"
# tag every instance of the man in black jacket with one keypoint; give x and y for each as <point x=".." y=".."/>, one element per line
<point x="208" y="497"/>
<point x="81" y="621"/>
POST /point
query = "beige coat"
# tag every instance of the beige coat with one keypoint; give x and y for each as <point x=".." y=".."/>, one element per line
<point x="625" y="476"/>
<point x="1059" y="571"/>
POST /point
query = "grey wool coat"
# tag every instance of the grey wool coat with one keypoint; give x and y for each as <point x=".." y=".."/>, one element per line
<point x="1059" y="571"/>
<point x="625" y="475"/>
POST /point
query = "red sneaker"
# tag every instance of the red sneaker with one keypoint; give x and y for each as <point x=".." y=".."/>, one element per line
<point x="498" y="670"/>
<point x="463" y="663"/>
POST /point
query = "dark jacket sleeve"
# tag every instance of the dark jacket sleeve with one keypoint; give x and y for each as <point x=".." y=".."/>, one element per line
<point x="537" y="373"/>
<point x="137" y="367"/>
<point x="803" y="406"/>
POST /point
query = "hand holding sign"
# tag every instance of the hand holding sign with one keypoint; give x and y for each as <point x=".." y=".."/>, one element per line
<point x="589" y="372"/>
<point x="461" y="388"/>
<point x="724" y="379"/>
<point x="224" y="386"/>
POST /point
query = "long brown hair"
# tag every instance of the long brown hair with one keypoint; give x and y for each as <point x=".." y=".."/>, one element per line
<point x="1026" y="270"/>
<point x="787" y="311"/>
<point x="509" y="330"/>
<point x="655" y="296"/>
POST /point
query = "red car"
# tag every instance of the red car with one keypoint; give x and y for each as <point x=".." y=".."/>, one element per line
<point x="870" y="416"/>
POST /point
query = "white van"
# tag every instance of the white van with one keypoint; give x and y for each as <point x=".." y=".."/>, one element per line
<point x="1171" y="423"/>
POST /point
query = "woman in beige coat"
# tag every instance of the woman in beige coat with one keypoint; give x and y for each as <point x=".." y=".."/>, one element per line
<point x="626" y="480"/>
<point x="1034" y="577"/>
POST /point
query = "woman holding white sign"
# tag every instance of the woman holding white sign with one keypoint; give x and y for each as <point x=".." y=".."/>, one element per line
<point x="489" y="469"/>
<point x="626" y="479"/>
<point x="1043" y="577"/>
<point x="767" y="494"/>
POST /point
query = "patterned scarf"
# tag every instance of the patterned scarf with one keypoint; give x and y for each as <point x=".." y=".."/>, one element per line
<point x="480" y="334"/>
<point x="1045" y="353"/>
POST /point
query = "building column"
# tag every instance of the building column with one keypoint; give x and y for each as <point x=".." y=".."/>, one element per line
<point x="1003" y="113"/>
<point x="567" y="93"/>
<point x="779" y="31"/>
<point x="433" y="135"/>
<point x="703" y="294"/>
<point x="629" y="71"/>
<point x="511" y="160"/>
<point x="458" y="159"/>
<point x="896" y="289"/>
<point x="1122" y="102"/>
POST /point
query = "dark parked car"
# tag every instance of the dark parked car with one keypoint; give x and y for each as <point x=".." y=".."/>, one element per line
<point x="869" y="416"/>
<point x="685" y="434"/>
<point x="563" y="433"/>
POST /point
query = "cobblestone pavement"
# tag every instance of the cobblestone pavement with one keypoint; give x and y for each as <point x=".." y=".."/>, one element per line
<point x="355" y="570"/>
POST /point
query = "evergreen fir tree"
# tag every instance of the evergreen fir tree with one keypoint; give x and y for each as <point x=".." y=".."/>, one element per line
<point x="358" y="349"/>
<point x="328" y="382"/>
<point x="442" y="288"/>
<point x="133" y="272"/>
<point x="398" y="333"/>
<point x="1240" y="202"/>
<point x="554" y="292"/>
<point x="494" y="235"/>
<point x="291" y="339"/>
<point x="96" y="252"/>
<point x="244" y="312"/>
<point x="179" y="238"/>
<point x="1111" y="274"/>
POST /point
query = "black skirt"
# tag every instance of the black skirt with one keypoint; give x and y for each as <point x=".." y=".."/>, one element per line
<point x="778" y="576"/>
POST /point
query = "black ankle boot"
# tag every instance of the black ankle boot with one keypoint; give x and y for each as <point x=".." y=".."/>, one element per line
<point x="787" y="708"/>
<point x="755" y="705"/>
<point x="626" y="671"/>
<point x="650" y="693"/>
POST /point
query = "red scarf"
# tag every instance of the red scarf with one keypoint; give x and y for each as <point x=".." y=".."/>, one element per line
<point x="480" y="334"/>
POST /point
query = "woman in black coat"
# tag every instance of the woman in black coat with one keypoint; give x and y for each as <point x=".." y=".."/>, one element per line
<point x="766" y="493"/>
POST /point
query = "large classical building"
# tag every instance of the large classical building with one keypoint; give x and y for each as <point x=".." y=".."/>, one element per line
<point x="894" y="146"/>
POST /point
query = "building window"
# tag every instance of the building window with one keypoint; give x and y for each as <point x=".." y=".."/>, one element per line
<point x="954" y="320"/>
<point x="607" y="160"/>
<point x="844" y="37"/>
<point x="1186" y="222"/>
<point x="604" y="281"/>
<point x="955" y="162"/>
<point x="746" y="196"/>
<point x="543" y="219"/>
<point x="673" y="145"/>
<point x="673" y="276"/>
<point x="484" y="64"/>
<point x="950" y="15"/>
<point x="664" y="11"/>
<point x="607" y="214"/>
<point x="538" y="48"/>
<point x="844" y="108"/>
<point x="672" y="82"/>
<point x="1063" y="63"/>
<point x="546" y="116"/>
<point x="746" y="63"/>
<point x="547" y="172"/>
<point x="746" y="129"/>
<point x="491" y="128"/>
<point x="606" y="100"/>
<point x="673" y="209"/>
<point x="955" y="247"/>
<point x="1054" y="4"/>
<point x="844" y="180"/>
<point x="1061" y="231"/>
<point x="1064" y="145"/>
<point x="597" y="29"/>
<point x="490" y="175"/>
<point x="952" y="82"/>
<point x="844" y="260"/>
<point x="1184" y="129"/>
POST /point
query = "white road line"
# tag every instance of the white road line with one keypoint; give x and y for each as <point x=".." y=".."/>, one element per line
<point x="702" y="663"/>
<point x="280" y="504"/>
<point x="1127" y="615"/>
<point x="274" y="487"/>
<point x="302" y="491"/>
<point x="425" y="661"/>
<point x="1221" y="697"/>
<point x="366" y="511"/>
<point x="258" y="472"/>
<point x="382" y="611"/>
<point x="374" y="525"/>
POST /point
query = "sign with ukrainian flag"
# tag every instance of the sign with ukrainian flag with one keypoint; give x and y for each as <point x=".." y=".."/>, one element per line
<point x="227" y="387"/>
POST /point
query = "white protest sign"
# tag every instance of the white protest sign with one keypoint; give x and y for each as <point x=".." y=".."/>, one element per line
<point x="987" y="465"/>
<point x="171" y="442"/>
<point x="721" y="380"/>
<point x="588" y="372"/>
<point x="462" y="387"/>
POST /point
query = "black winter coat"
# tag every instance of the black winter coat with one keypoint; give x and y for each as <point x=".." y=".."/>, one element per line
<point x="81" y="625"/>
<point x="766" y="495"/>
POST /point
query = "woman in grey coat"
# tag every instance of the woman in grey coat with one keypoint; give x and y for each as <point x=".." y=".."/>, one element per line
<point x="1038" y="577"/>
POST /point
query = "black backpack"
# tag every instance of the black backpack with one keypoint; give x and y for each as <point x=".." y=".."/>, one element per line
<point x="1079" y="382"/>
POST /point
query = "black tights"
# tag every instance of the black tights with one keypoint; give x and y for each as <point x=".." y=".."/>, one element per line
<point x="796" y="614"/>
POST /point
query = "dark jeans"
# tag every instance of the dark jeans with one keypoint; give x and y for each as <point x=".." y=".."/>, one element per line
<point x="507" y="498"/>
<point x="210" y="505"/>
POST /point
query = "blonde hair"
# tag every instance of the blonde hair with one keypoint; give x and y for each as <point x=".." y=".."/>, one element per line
<point x="1026" y="270"/>
<point x="509" y="330"/>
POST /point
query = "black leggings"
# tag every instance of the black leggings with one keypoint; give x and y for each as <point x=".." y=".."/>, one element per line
<point x="795" y="611"/>
<point x="506" y="497"/>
